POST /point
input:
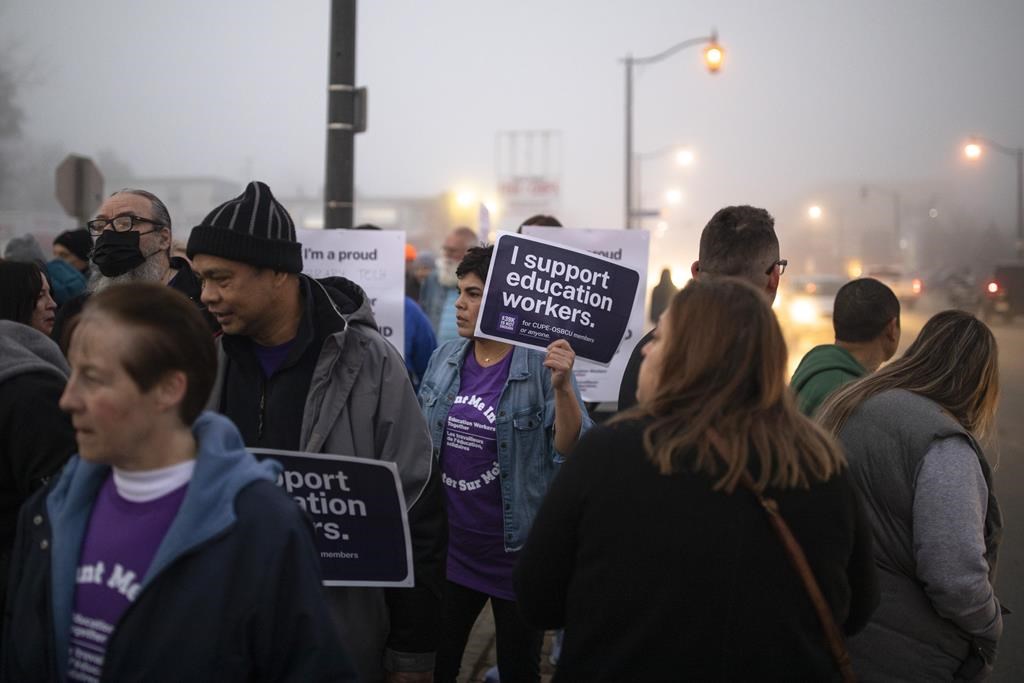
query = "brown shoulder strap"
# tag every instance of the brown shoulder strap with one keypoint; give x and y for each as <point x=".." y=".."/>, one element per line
<point x="834" y="637"/>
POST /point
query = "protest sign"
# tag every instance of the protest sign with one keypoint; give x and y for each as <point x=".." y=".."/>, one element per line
<point x="630" y="248"/>
<point x="358" y="513"/>
<point x="538" y="291"/>
<point x="374" y="260"/>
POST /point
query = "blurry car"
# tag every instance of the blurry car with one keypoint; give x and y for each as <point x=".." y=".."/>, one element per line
<point x="907" y="289"/>
<point x="1004" y="293"/>
<point x="807" y="301"/>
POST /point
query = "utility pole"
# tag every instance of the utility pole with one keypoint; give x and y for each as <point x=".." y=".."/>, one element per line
<point x="346" y="108"/>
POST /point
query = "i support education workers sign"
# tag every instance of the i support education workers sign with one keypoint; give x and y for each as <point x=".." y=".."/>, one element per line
<point x="626" y="247"/>
<point x="374" y="260"/>
<point x="538" y="291"/>
<point x="358" y="514"/>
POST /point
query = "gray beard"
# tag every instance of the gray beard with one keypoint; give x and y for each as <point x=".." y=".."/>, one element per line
<point x="446" y="273"/>
<point x="150" y="270"/>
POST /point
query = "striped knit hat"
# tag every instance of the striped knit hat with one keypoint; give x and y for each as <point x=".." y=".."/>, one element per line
<point x="252" y="228"/>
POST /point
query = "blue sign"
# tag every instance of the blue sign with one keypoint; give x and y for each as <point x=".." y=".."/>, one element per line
<point x="538" y="292"/>
<point x="358" y="514"/>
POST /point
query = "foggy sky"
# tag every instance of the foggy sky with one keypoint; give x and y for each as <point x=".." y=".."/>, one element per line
<point x="812" y="94"/>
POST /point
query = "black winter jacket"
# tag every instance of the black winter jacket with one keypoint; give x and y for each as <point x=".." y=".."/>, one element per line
<point x="36" y="437"/>
<point x="660" y="578"/>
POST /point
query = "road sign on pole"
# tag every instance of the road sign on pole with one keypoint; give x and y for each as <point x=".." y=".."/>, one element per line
<point x="79" y="186"/>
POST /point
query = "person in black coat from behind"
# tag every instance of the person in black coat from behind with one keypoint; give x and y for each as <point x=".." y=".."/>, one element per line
<point x="654" y="559"/>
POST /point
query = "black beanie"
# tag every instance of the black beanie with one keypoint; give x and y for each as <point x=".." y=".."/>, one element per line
<point x="252" y="228"/>
<point x="78" y="242"/>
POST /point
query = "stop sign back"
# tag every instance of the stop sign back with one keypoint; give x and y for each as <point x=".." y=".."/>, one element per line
<point x="79" y="186"/>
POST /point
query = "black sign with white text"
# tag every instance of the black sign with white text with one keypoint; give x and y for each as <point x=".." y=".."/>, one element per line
<point x="538" y="292"/>
<point x="358" y="514"/>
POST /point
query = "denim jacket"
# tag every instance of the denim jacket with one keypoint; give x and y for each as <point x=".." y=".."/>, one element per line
<point x="525" y="428"/>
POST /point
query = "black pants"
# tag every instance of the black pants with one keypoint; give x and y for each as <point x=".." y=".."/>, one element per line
<point x="518" y="644"/>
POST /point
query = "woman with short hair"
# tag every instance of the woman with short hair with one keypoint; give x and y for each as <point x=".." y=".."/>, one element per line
<point x="913" y="434"/>
<point x="653" y="556"/>
<point x="501" y="418"/>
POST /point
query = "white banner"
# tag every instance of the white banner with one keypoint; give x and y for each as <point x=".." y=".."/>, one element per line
<point x="374" y="260"/>
<point x="629" y="248"/>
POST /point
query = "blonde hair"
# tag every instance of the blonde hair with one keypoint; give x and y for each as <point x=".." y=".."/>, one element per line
<point x="723" y="373"/>
<point x="954" y="362"/>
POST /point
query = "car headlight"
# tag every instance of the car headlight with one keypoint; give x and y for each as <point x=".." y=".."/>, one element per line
<point x="803" y="311"/>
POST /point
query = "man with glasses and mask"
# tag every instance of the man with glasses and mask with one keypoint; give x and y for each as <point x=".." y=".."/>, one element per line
<point x="738" y="241"/>
<point x="132" y="243"/>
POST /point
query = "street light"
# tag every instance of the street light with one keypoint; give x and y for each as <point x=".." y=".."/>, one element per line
<point x="972" y="150"/>
<point x="713" y="55"/>
<point x="465" y="198"/>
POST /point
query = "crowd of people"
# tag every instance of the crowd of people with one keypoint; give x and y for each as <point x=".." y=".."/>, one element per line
<point x="725" y="524"/>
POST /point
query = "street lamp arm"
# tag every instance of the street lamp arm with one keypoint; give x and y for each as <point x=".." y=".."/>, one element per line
<point x="640" y="61"/>
<point x="1009" y="151"/>
<point x="660" y="152"/>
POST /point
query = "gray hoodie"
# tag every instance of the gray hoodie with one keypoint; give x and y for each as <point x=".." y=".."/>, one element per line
<point x="26" y="349"/>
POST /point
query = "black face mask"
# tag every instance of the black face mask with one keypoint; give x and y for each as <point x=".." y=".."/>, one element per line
<point x="116" y="253"/>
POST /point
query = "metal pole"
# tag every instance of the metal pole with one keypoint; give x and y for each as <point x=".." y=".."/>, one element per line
<point x="340" y="171"/>
<point x="638" y="182"/>
<point x="1020" y="203"/>
<point x="629" y="141"/>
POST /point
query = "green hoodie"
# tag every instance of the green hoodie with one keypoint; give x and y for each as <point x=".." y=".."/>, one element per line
<point x="824" y="369"/>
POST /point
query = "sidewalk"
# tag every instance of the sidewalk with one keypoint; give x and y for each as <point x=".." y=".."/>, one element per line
<point x="480" y="654"/>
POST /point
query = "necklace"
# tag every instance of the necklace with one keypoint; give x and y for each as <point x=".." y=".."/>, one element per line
<point x="496" y="356"/>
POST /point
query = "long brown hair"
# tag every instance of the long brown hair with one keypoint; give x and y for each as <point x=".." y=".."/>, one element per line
<point x="954" y="361"/>
<point x="723" y="371"/>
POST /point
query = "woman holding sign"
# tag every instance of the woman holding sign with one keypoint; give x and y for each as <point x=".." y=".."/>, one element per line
<point x="501" y="420"/>
<point x="652" y="549"/>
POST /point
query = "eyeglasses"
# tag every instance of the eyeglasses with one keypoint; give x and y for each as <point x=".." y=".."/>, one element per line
<point x="781" y="263"/>
<point x="119" y="224"/>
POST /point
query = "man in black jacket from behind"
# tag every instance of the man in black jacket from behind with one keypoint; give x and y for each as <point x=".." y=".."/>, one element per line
<point x="164" y="551"/>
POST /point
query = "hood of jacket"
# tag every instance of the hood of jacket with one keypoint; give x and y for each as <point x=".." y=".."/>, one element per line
<point x="26" y="349"/>
<point x="341" y="298"/>
<point x="223" y="468"/>
<point x="825" y="358"/>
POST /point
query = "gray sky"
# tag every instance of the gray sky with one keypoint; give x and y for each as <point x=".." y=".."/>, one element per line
<point x="812" y="95"/>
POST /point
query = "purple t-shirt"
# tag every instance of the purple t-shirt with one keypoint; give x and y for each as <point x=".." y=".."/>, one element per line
<point x="272" y="357"/>
<point x="119" y="545"/>
<point x="469" y="470"/>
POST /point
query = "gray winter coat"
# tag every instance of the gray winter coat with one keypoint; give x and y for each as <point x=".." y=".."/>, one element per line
<point x="360" y="402"/>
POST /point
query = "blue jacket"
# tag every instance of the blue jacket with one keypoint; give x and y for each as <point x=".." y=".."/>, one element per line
<point x="525" y="428"/>
<point x="420" y="341"/>
<point x="233" y="592"/>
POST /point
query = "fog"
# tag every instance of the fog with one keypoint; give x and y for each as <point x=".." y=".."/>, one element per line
<point x="814" y="100"/>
